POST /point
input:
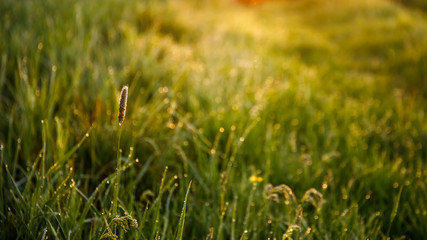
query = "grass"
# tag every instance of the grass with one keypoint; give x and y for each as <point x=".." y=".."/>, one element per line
<point x="291" y="119"/>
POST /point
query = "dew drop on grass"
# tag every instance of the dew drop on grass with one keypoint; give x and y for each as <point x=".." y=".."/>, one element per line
<point x="137" y="160"/>
<point x="221" y="130"/>
<point x="87" y="134"/>
<point x="241" y="139"/>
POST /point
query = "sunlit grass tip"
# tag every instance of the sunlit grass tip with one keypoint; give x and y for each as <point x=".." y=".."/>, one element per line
<point x="123" y="103"/>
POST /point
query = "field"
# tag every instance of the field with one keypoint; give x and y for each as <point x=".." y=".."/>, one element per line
<point x="277" y="120"/>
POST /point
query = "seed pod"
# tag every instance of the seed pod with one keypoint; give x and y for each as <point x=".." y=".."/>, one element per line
<point x="123" y="103"/>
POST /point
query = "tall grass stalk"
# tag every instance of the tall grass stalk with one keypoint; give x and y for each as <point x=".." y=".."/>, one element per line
<point x="117" y="181"/>
<point x="121" y="118"/>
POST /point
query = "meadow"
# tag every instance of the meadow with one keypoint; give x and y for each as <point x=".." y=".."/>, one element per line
<point x="282" y="120"/>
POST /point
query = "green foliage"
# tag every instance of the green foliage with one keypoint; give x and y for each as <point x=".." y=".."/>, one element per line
<point x="291" y="119"/>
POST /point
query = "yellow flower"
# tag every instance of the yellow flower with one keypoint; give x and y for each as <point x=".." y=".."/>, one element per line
<point x="255" y="179"/>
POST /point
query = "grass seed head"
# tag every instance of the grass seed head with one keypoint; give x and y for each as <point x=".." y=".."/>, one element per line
<point x="313" y="197"/>
<point x="123" y="103"/>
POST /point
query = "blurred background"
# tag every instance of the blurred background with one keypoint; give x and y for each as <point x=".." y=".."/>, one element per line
<point x="298" y="119"/>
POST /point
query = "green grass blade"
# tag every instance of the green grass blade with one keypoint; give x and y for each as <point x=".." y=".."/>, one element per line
<point x="61" y="161"/>
<point x="3" y="70"/>
<point x="89" y="201"/>
<point x="55" y="215"/>
<point x="193" y="169"/>
<point x="394" y="212"/>
<point x="180" y="229"/>
<point x="16" y="189"/>
<point x="2" y="206"/>
<point x="154" y="232"/>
